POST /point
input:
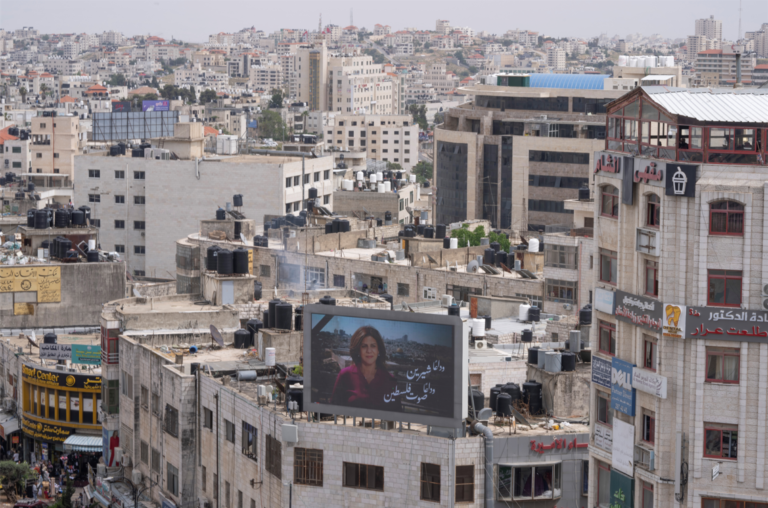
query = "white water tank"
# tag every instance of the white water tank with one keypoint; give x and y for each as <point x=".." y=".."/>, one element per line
<point x="413" y="178"/>
<point x="379" y="176"/>
<point x="553" y="362"/>
<point x="382" y="188"/>
<point x="269" y="357"/>
<point x="387" y="186"/>
<point x="349" y="185"/>
<point x="91" y="244"/>
<point x="523" y="312"/>
<point x="633" y="61"/>
<point x="533" y="245"/>
<point x="360" y="175"/>
<point x="650" y="61"/>
<point x="372" y="178"/>
<point x="670" y="61"/>
<point x="623" y="60"/>
<point x="478" y="327"/>
<point x="454" y="243"/>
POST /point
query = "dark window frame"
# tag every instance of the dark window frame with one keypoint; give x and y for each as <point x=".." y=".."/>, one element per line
<point x="724" y="227"/>
<point x="610" y="330"/>
<point x="715" y="275"/>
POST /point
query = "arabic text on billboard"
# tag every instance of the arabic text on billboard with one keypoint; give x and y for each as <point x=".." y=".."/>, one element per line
<point x="639" y="310"/>
<point x="727" y="324"/>
<point x="88" y="355"/>
<point x="155" y="105"/>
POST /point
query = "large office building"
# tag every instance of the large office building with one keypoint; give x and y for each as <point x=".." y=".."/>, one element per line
<point x="679" y="391"/>
<point x="709" y="27"/>
<point x="390" y="138"/>
<point x="513" y="155"/>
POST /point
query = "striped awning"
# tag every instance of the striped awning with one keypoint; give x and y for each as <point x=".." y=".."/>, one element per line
<point x="78" y="443"/>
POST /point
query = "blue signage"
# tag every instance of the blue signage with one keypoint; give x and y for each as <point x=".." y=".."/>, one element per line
<point x="622" y="393"/>
<point x="601" y="372"/>
<point x="155" y="105"/>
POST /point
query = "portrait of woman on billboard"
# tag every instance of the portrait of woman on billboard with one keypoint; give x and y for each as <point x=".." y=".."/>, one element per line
<point x="367" y="381"/>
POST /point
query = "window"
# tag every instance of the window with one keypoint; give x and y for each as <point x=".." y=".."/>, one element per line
<point x="173" y="480"/>
<point x="317" y="176"/>
<point x="39" y="156"/>
<point x="288" y="207"/>
<point x="156" y="460"/>
<point x="139" y="273"/>
<point x="522" y="482"/>
<point x="94" y="198"/>
<point x="729" y="503"/>
<point x="534" y="299"/>
<point x="239" y="499"/>
<point x="647" y="495"/>
<point x="274" y="457"/>
<point x="326" y="199"/>
<point x="726" y="218"/>
<point x="723" y="365"/>
<point x="430" y="482"/>
<point x="96" y="223"/>
<point x="119" y="224"/>
<point x="226" y="495"/>
<point x="604" y="411"/>
<point x="145" y="397"/>
<point x="16" y="165"/>
<point x="113" y="401"/>
<point x="138" y="175"/>
<point x="561" y="291"/>
<point x="139" y="200"/>
<point x="296" y="181"/>
<point x="465" y="484"/>
<point x="363" y="476"/>
<point x="94" y="173"/>
<point x="327" y="174"/>
<point x="229" y="429"/>
<point x="250" y="441"/>
<point x="16" y="149"/>
<point x="171" y="420"/>
<point x="560" y="256"/>
<point x="306" y="178"/>
<point x="127" y="384"/>
<point x="724" y="288"/>
<point x="119" y="175"/>
<point x="139" y="249"/>
<point x="338" y="281"/>
<point x="651" y="278"/>
<point x="215" y="487"/>
<point x="720" y="441"/>
<point x="607" y="338"/>
<point x="315" y="276"/>
<point x="288" y="182"/>
<point x="308" y="467"/>
<point x="145" y="452"/>
<point x="139" y="224"/>
<point x="119" y="200"/>
<point x="649" y="428"/>
<point x="603" y="484"/>
<point x="609" y="204"/>
<point x="296" y="206"/>
<point x="207" y="418"/>
<point x="649" y="352"/>
<point x="653" y="215"/>
<point x="265" y="270"/>
<point x="608" y="266"/>
<point x="403" y="289"/>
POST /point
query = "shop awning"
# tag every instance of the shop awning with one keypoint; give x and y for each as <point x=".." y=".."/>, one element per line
<point x="8" y="424"/>
<point x="77" y="443"/>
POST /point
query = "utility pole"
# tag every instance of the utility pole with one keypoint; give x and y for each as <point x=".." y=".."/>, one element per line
<point x="738" y="37"/>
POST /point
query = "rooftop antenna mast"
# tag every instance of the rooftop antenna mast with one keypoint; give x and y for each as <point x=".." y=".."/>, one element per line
<point x="320" y="24"/>
<point x="738" y="37"/>
<point x="351" y="18"/>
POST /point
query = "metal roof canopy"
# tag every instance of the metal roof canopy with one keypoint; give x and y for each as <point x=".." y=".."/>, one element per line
<point x="80" y="443"/>
<point x="569" y="81"/>
<point x="726" y="105"/>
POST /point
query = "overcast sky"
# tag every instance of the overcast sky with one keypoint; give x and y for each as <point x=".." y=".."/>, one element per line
<point x="194" y="20"/>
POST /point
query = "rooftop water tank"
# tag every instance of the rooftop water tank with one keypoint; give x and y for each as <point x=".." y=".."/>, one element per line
<point x="242" y="339"/>
<point x="240" y="259"/>
<point x="221" y="214"/>
<point x="272" y="305"/>
<point x="533" y="245"/>
<point x="224" y="264"/>
<point x="328" y="300"/>
<point x="523" y="312"/>
<point x="284" y="313"/>
<point x="584" y="192"/>
<point x="478" y="327"/>
<point x="440" y="231"/>
<point x="237" y="200"/>
<point x="210" y="257"/>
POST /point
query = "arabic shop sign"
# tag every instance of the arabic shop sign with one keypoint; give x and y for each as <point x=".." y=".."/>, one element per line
<point x="674" y="321"/>
<point x="649" y="382"/>
<point x="557" y="444"/>
<point x="727" y="324"/>
<point x="601" y="372"/>
<point x="622" y="490"/>
<point x="89" y="355"/>
<point x="604" y="437"/>
<point x="639" y="311"/>
<point x="608" y="163"/>
<point x="55" y="351"/>
<point x="44" y="431"/>
<point x="57" y="378"/>
<point x="622" y="393"/>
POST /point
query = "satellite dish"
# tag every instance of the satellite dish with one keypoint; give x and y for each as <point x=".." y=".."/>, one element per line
<point x="472" y="266"/>
<point x="520" y="418"/>
<point x="136" y="293"/>
<point x="217" y="336"/>
<point x="242" y="238"/>
<point x="33" y="340"/>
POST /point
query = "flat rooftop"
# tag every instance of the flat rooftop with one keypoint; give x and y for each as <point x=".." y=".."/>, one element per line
<point x="231" y="159"/>
<point x="162" y="305"/>
<point x="31" y="354"/>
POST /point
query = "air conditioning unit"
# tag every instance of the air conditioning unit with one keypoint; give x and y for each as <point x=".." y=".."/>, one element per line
<point x="101" y="470"/>
<point x="481" y="344"/>
<point x="645" y="458"/>
<point x="136" y="476"/>
<point x="118" y="454"/>
<point x="126" y="462"/>
<point x="765" y="290"/>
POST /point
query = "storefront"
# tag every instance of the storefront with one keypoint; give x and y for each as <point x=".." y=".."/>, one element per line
<point x="57" y="404"/>
<point x="9" y="431"/>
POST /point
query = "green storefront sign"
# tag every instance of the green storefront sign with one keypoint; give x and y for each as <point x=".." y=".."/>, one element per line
<point x="622" y="490"/>
<point x="89" y="355"/>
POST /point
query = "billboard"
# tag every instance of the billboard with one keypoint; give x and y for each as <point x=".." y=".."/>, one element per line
<point x="639" y="311"/>
<point x="121" y="107"/>
<point x="88" y="355"/>
<point x="55" y="351"/>
<point x="383" y="364"/>
<point x="731" y="324"/>
<point x="134" y="125"/>
<point x="155" y="105"/>
<point x="622" y="392"/>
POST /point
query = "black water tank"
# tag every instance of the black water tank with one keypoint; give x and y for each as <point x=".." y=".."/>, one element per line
<point x="41" y="219"/>
<point x="429" y="232"/>
<point x="420" y="229"/>
<point x="488" y="322"/>
<point x="344" y="226"/>
<point x="446" y="243"/>
<point x="298" y="323"/>
<point x="30" y="218"/>
<point x="379" y="223"/>
<point x="496" y="246"/>
<point x="513" y="390"/>
<point x="295" y="394"/>
<point x="257" y="290"/>
<point x="87" y="211"/>
<point x="221" y="214"/>
<point x="137" y="153"/>
<point x="284" y="312"/>
<point x="253" y="326"/>
<point x="240" y="260"/>
<point x="534" y="314"/>
<point x="533" y="355"/>
<point x="335" y="226"/>
<point x="92" y="256"/>
<point x="504" y="405"/>
<point x="390" y="299"/>
<point x="489" y="256"/>
<point x="501" y="259"/>
<point x="210" y="257"/>
<point x="224" y="264"/>
<point x="265" y="319"/>
<point x="242" y="339"/>
<point x="328" y="300"/>
<point x="238" y="229"/>
<point x="49" y="338"/>
<point x="454" y="310"/>
<point x="495" y="391"/>
<point x="78" y="218"/>
<point x="440" y="231"/>
<point x="479" y="401"/>
<point x="237" y="200"/>
<point x="568" y="360"/>
<point x="267" y="227"/>
<point x="272" y="305"/>
<point x="61" y="219"/>
<point x="388" y="216"/>
<point x="585" y="315"/>
<point x="532" y="395"/>
<point x="527" y="336"/>
<point x="312" y="193"/>
<point x="328" y="228"/>
<point x="584" y="193"/>
<point x="64" y="248"/>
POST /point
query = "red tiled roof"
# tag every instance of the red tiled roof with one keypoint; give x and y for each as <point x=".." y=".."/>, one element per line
<point x="711" y="52"/>
<point x="67" y="98"/>
<point x="210" y="131"/>
<point x="4" y="136"/>
<point x="761" y="66"/>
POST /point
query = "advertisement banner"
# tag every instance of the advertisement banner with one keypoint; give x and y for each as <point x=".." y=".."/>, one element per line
<point x="155" y="105"/>
<point x="649" y="382"/>
<point x="622" y="393"/>
<point x="622" y="490"/>
<point x="605" y="301"/>
<point x="88" y="355"/>
<point x="55" y="351"/>
<point x="601" y="372"/>
<point x="384" y="364"/>
<point x="674" y="321"/>
<point x="604" y="437"/>
<point x="609" y="163"/>
<point x="623" y="451"/>
<point x="44" y="431"/>
<point x="681" y="180"/>
<point x="121" y="107"/>
<point x="731" y="324"/>
<point x="639" y="311"/>
<point x="57" y="378"/>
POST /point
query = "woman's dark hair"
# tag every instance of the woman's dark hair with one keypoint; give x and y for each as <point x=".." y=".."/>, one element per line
<point x="357" y="341"/>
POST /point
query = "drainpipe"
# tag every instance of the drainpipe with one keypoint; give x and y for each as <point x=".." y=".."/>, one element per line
<point x="488" y="435"/>
<point x="738" y="71"/>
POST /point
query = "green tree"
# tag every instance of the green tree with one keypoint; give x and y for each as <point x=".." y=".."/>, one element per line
<point x="13" y="476"/>
<point x="460" y="57"/>
<point x="155" y="84"/>
<point x="393" y="166"/>
<point x="501" y="239"/>
<point x="468" y="238"/>
<point x="423" y="171"/>
<point x="271" y="125"/>
<point x="23" y="93"/>
<point x="45" y="37"/>
<point x="207" y="96"/>
<point x="192" y="94"/>
<point x="43" y="91"/>
<point x="378" y="58"/>
<point x="419" y="113"/>
<point x="117" y="80"/>
<point x="277" y="99"/>
<point x="304" y="116"/>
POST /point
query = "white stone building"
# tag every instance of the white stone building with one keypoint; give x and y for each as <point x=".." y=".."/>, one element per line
<point x="391" y="138"/>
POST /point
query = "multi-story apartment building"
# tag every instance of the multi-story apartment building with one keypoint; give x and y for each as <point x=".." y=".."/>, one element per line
<point x="515" y="155"/>
<point x="54" y="146"/>
<point x="391" y="138"/>
<point x="717" y="67"/>
<point x="443" y="26"/>
<point x="698" y="43"/>
<point x="710" y="28"/>
<point x="556" y="59"/>
<point x="17" y="156"/>
<point x="380" y="30"/>
<point x="441" y="80"/>
<point x="266" y="77"/>
<point x="679" y="336"/>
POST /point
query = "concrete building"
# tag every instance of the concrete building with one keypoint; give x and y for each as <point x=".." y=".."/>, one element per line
<point x="141" y="201"/>
<point x="710" y="28"/>
<point x="680" y="234"/>
<point x="390" y="138"/>
<point x="514" y="155"/>
<point x="401" y="204"/>
<point x="17" y="155"/>
<point x="717" y="67"/>
<point x="54" y="146"/>
<point x="556" y="59"/>
<point x="698" y="43"/>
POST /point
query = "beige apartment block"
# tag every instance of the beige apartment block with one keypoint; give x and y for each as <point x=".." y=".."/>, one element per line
<point x="391" y="138"/>
<point x="54" y="146"/>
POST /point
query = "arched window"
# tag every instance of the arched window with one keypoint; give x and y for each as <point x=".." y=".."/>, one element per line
<point x="653" y="211"/>
<point x="726" y="218"/>
<point x="609" y="204"/>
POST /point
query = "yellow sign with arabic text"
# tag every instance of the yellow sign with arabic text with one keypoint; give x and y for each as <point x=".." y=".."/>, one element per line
<point x="45" y="431"/>
<point x="45" y="280"/>
<point x="23" y="309"/>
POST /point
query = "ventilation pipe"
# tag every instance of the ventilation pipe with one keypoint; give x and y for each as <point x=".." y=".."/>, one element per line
<point x="488" y="435"/>
<point x="738" y="71"/>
